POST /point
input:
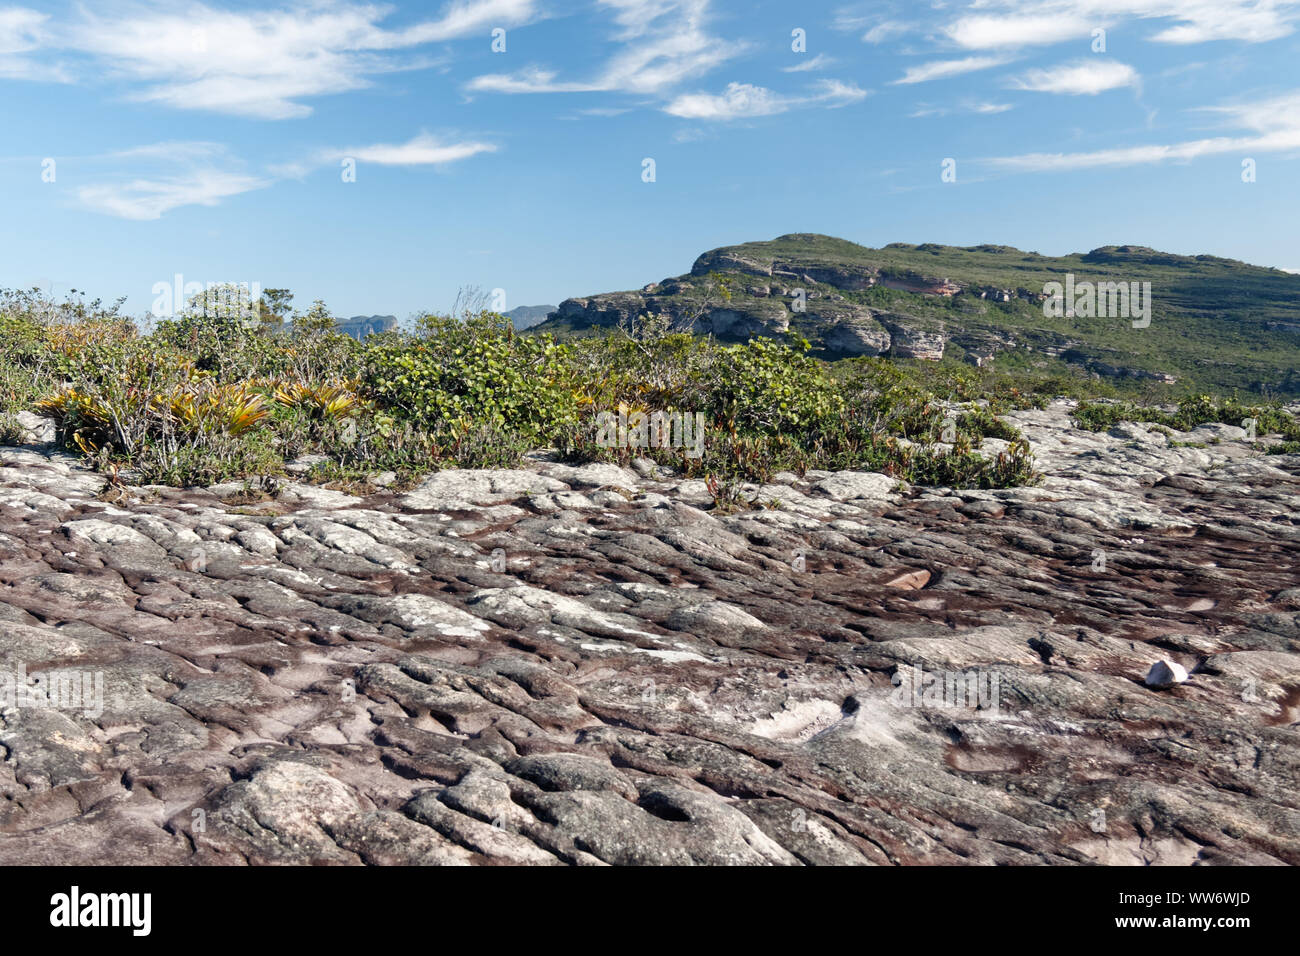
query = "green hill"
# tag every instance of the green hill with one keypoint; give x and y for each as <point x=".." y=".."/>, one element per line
<point x="1214" y="323"/>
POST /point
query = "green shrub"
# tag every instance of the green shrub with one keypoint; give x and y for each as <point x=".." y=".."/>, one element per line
<point x="1191" y="411"/>
<point x="454" y="374"/>
<point x="770" y="388"/>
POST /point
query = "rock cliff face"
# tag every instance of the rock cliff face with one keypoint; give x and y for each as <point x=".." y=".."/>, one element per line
<point x="587" y="665"/>
<point x="906" y="340"/>
<point x="802" y="295"/>
<point x="840" y="328"/>
<point x="359" y="326"/>
<point x="979" y="302"/>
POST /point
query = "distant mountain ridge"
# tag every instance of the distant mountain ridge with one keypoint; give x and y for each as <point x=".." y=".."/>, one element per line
<point x="1213" y="321"/>
<point x="359" y="326"/>
<point x="527" y="316"/>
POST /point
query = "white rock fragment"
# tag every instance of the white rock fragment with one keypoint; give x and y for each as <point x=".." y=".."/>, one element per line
<point x="1164" y="674"/>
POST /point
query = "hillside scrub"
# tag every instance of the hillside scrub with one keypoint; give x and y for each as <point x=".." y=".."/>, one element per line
<point x="1267" y="419"/>
<point x="1213" y="324"/>
<point x="203" y="399"/>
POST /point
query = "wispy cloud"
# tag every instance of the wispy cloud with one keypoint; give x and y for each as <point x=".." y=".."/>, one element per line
<point x="166" y="176"/>
<point x="1274" y="124"/>
<point x="664" y="42"/>
<point x="23" y="32"/>
<point x="146" y="182"/>
<point x="878" y="25"/>
<point x="423" y="150"/>
<point x="981" y="108"/>
<point x="743" y="100"/>
<point x="1006" y="24"/>
<point x="1079" y="77"/>
<point x="943" y="69"/>
<point x="885" y="31"/>
<point x="255" y="63"/>
<point x="818" y="62"/>
<point x="530" y="79"/>
<point x="20" y="30"/>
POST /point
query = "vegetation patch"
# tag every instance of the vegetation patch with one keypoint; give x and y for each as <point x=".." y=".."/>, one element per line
<point x="203" y="399"/>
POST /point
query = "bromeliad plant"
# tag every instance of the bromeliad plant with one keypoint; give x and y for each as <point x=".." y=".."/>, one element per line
<point x="326" y="402"/>
<point x="207" y="408"/>
<point x="126" y="420"/>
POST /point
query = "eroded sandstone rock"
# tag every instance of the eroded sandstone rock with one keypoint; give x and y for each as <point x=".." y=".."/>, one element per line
<point x="587" y="665"/>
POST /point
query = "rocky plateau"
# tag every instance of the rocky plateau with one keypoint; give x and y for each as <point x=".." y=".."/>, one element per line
<point x="588" y="665"/>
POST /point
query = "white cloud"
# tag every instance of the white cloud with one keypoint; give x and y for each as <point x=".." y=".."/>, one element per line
<point x="172" y="151"/>
<point x="982" y="108"/>
<point x="739" y="100"/>
<point x="146" y="182"/>
<point x="1006" y="32"/>
<point x="531" y="79"/>
<point x="884" y="31"/>
<point x="818" y="62"/>
<point x="1003" y="24"/>
<point x="664" y="42"/>
<point x="1267" y="116"/>
<point x="466" y="17"/>
<point x="836" y="93"/>
<point x="1275" y="123"/>
<point x="878" y="24"/>
<point x="261" y="63"/>
<point x="743" y="100"/>
<point x="942" y="69"/>
<point x="1125" y="156"/>
<point x="22" y="31"/>
<point x="150" y="198"/>
<point x="1080" y="77"/>
<point x="423" y="150"/>
<point x="1253" y="22"/>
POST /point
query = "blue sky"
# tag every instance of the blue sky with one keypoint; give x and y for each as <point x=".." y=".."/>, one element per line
<point x="211" y="139"/>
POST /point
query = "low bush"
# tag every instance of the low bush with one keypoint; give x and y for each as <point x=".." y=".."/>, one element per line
<point x="1190" y="412"/>
<point x="206" y="398"/>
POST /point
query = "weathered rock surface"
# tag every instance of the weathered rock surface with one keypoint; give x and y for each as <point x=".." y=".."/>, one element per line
<point x="584" y="666"/>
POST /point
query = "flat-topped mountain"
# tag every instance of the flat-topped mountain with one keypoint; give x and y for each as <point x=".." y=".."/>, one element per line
<point x="1201" y="320"/>
<point x="526" y="316"/>
<point x="359" y="326"/>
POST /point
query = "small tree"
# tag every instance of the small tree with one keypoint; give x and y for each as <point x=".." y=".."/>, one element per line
<point x="227" y="302"/>
<point x="320" y="351"/>
<point x="274" y="306"/>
